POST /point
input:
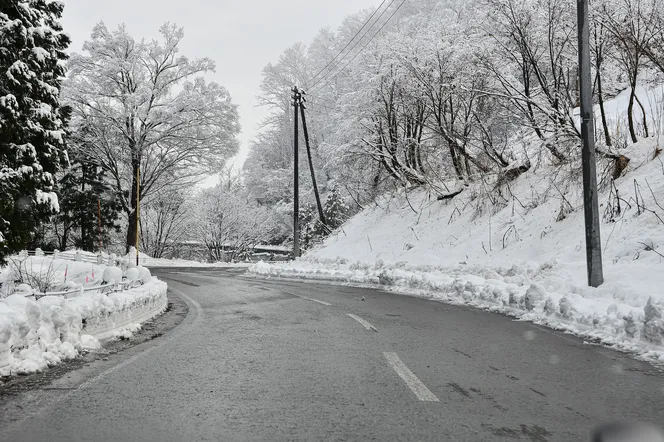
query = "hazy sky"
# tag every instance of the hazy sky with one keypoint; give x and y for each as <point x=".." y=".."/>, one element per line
<point x="240" y="36"/>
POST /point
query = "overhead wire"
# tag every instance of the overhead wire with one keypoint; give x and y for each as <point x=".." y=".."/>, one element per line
<point x="349" y="41"/>
<point x="357" y="42"/>
<point x="327" y="81"/>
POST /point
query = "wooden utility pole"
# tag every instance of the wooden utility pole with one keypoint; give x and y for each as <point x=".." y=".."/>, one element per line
<point x="311" y="163"/>
<point x="590" y="204"/>
<point x="296" y="191"/>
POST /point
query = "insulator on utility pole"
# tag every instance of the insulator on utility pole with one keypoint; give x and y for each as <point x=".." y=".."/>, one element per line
<point x="590" y="204"/>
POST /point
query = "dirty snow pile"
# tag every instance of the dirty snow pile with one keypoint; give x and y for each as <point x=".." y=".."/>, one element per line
<point x="523" y="255"/>
<point x="38" y="330"/>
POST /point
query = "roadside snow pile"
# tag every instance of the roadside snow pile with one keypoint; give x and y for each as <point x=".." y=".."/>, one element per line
<point x="41" y="330"/>
<point x="146" y="260"/>
<point x="524" y="257"/>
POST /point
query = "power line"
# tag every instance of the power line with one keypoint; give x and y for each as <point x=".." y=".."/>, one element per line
<point x="357" y="42"/>
<point x="349" y="41"/>
<point x="327" y="81"/>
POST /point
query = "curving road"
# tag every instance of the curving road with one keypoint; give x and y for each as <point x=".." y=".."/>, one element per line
<point x="289" y="360"/>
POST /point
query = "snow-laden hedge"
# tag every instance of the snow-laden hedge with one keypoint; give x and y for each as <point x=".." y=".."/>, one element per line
<point x="36" y="333"/>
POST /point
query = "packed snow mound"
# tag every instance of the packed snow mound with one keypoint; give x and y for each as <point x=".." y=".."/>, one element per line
<point x="38" y="330"/>
<point x="145" y="260"/>
<point x="524" y="256"/>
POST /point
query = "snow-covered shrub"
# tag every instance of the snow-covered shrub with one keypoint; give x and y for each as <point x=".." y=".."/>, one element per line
<point x="112" y="275"/>
<point x="132" y="274"/>
<point x="23" y="271"/>
<point x="144" y="274"/>
<point x="385" y="278"/>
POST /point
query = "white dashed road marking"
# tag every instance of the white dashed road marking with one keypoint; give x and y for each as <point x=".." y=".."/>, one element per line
<point x="363" y="322"/>
<point x="315" y="300"/>
<point x="420" y="390"/>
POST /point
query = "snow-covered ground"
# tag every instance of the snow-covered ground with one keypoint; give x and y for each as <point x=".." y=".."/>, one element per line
<point x="38" y="331"/>
<point x="519" y="249"/>
<point x="147" y="261"/>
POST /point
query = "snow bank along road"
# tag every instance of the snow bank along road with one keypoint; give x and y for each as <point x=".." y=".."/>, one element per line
<point x="289" y="360"/>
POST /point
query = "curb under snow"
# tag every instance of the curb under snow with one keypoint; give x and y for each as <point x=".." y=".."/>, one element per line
<point x="636" y="330"/>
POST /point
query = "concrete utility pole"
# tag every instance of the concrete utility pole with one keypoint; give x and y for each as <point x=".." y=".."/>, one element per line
<point x="590" y="205"/>
<point x="296" y="191"/>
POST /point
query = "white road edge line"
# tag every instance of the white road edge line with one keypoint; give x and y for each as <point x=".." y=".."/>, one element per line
<point x="315" y="300"/>
<point x="366" y="325"/>
<point x="420" y="390"/>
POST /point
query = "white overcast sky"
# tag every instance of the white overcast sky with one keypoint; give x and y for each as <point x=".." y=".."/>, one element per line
<point x="240" y="36"/>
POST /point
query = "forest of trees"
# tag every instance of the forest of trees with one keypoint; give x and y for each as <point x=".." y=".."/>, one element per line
<point x="433" y="94"/>
<point x="450" y="92"/>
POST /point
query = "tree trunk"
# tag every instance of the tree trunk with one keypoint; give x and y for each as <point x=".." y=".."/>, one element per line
<point x="600" y="97"/>
<point x="643" y="113"/>
<point x="65" y="237"/>
<point x="630" y="117"/>
<point x="133" y="204"/>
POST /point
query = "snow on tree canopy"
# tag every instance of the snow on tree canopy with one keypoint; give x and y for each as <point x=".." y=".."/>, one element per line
<point x="32" y="51"/>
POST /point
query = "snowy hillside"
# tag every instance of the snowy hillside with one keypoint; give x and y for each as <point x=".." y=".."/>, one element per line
<point x="519" y="248"/>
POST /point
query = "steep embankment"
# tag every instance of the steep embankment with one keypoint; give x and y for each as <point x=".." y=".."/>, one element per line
<point x="519" y="248"/>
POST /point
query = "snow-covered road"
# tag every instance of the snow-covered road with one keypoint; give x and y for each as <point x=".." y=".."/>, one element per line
<point x="291" y="360"/>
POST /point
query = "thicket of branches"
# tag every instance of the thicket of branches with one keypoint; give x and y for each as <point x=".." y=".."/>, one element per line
<point x="444" y="91"/>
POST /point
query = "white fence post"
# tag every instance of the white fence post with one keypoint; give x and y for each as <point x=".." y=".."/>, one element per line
<point x="77" y="255"/>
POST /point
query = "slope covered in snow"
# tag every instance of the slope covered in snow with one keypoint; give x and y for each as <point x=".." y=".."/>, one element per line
<point x="519" y="248"/>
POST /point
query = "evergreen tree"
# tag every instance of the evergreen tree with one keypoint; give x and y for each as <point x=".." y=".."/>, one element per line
<point x="85" y="199"/>
<point x="32" y="52"/>
<point x="336" y="211"/>
<point x="313" y="230"/>
<point x="309" y="226"/>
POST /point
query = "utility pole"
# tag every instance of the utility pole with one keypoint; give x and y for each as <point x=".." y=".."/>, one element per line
<point x="311" y="163"/>
<point x="296" y="191"/>
<point x="590" y="205"/>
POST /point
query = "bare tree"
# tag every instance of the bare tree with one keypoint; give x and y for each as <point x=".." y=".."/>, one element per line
<point x="166" y="221"/>
<point x="537" y="40"/>
<point x="629" y="28"/>
<point x="144" y="113"/>
<point x="228" y="225"/>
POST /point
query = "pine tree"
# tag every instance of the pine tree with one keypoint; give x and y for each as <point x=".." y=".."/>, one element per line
<point x="32" y="53"/>
<point x="85" y="197"/>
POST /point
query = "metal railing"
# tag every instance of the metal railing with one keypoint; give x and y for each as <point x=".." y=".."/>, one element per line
<point x="79" y="256"/>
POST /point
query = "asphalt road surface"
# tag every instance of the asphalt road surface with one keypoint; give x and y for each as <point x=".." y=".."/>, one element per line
<point x="288" y="360"/>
